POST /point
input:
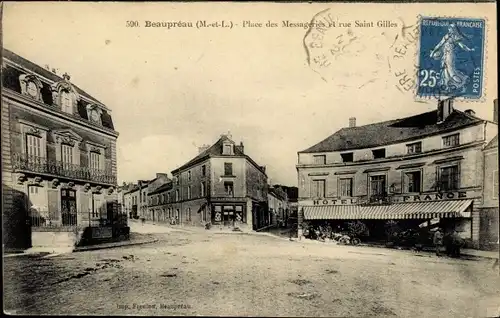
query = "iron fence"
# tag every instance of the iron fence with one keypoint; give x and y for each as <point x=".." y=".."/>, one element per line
<point x="24" y="162"/>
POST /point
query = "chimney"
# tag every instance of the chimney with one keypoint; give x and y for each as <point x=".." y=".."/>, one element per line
<point x="66" y="76"/>
<point x="352" y="122"/>
<point x="445" y="108"/>
<point x="54" y="71"/>
<point x="470" y="112"/>
<point x="241" y="148"/>
<point x="495" y="111"/>
<point x="47" y="67"/>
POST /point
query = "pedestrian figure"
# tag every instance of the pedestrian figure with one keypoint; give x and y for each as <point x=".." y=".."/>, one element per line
<point x="438" y="241"/>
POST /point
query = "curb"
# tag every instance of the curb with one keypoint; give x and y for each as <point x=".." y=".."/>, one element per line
<point x="93" y="248"/>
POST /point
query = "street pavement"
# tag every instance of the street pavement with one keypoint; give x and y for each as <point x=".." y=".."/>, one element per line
<point x="200" y="272"/>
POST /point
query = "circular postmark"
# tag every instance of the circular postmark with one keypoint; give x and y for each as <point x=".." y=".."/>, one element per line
<point x="349" y="52"/>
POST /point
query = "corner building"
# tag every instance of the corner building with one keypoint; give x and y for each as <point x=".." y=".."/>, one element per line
<point x="423" y="168"/>
<point x="58" y="158"/>
<point x="221" y="185"/>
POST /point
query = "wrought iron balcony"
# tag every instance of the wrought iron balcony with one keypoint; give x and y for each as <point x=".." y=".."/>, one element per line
<point x="34" y="164"/>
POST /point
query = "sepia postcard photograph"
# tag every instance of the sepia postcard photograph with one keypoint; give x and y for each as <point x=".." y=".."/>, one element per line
<point x="280" y="159"/>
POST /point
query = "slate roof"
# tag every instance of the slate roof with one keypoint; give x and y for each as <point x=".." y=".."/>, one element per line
<point x="393" y="131"/>
<point x="164" y="187"/>
<point x="216" y="150"/>
<point x="10" y="79"/>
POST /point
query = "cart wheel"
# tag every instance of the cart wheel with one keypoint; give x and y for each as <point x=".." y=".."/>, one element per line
<point x="355" y="241"/>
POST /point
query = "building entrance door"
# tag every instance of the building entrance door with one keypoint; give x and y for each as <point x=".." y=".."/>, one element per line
<point x="68" y="207"/>
<point x="228" y="215"/>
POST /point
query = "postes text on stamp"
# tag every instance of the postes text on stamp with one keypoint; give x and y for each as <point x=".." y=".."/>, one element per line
<point x="451" y="58"/>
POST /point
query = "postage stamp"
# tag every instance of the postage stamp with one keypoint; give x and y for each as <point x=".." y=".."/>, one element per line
<point x="451" y="58"/>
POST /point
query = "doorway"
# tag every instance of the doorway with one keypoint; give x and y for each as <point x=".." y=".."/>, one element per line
<point x="68" y="207"/>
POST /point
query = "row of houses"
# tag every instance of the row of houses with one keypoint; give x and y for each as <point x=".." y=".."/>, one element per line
<point x="222" y="185"/>
<point x="58" y="158"/>
<point x="438" y="167"/>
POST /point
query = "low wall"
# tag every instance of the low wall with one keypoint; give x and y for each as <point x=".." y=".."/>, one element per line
<point x="54" y="241"/>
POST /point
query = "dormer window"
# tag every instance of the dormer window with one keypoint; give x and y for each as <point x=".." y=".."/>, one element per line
<point x="31" y="86"/>
<point x="66" y="102"/>
<point x="347" y="157"/>
<point x="227" y="148"/>
<point x="94" y="114"/>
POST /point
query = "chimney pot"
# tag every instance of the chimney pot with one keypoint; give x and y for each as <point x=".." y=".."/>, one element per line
<point x="445" y="108"/>
<point x="352" y="122"/>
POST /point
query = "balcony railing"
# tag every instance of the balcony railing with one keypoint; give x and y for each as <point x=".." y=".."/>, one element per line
<point x="42" y="165"/>
<point x="45" y="221"/>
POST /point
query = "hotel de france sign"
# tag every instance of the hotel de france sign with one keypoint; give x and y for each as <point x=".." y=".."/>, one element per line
<point x="444" y="196"/>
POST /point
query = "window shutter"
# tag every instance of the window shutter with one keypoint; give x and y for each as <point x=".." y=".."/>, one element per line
<point x="85" y="206"/>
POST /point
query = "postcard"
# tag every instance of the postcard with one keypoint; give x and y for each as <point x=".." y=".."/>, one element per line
<point x="331" y="159"/>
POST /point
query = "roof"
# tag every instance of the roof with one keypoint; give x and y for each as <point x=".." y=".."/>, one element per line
<point x="493" y="143"/>
<point x="393" y="131"/>
<point x="216" y="150"/>
<point x="10" y="79"/>
<point x="164" y="187"/>
<point x="43" y="72"/>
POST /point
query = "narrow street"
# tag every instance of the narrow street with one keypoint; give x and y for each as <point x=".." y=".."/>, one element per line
<point x="207" y="273"/>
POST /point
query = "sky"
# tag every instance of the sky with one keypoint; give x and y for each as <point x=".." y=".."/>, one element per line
<point x="173" y="90"/>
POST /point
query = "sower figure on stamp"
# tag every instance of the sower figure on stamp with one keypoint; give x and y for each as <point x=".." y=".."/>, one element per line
<point x="451" y="78"/>
<point x="438" y="241"/>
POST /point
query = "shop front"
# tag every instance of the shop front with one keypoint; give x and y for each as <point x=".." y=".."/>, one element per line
<point x="452" y="212"/>
<point x="229" y="213"/>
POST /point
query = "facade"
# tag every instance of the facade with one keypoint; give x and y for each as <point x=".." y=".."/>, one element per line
<point x="58" y="157"/>
<point x="419" y="169"/>
<point x="221" y="186"/>
<point x="135" y="200"/>
<point x="488" y="225"/>
<point x="278" y="205"/>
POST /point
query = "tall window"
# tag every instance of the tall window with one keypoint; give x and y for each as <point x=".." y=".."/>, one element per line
<point x="94" y="161"/>
<point x="37" y="198"/>
<point x="168" y="197"/>
<point x="346" y="187"/>
<point x="227" y="149"/>
<point x="189" y="175"/>
<point x="67" y="154"/>
<point x="203" y="189"/>
<point x="33" y="146"/>
<point x="377" y="185"/>
<point x="449" y="178"/>
<point x="188" y="214"/>
<point x="228" y="188"/>
<point x="203" y="170"/>
<point x="451" y="140"/>
<point x="189" y="192"/>
<point x="318" y="188"/>
<point x="176" y="195"/>
<point x="415" y="147"/>
<point x="319" y="159"/>
<point x="228" y="169"/>
<point x="413" y="181"/>
<point x="66" y="102"/>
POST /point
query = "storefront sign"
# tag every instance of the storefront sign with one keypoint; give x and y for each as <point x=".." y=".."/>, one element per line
<point x="393" y="199"/>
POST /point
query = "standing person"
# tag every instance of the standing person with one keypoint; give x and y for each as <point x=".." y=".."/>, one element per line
<point x="438" y="241"/>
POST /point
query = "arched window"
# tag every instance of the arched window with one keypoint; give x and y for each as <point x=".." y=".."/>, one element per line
<point x="66" y="104"/>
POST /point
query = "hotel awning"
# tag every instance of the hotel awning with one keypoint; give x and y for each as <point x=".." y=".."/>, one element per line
<point x="420" y="210"/>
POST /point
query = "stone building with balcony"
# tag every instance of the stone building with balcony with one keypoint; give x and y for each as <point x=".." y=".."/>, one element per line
<point x="417" y="170"/>
<point x="221" y="185"/>
<point x="58" y="157"/>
